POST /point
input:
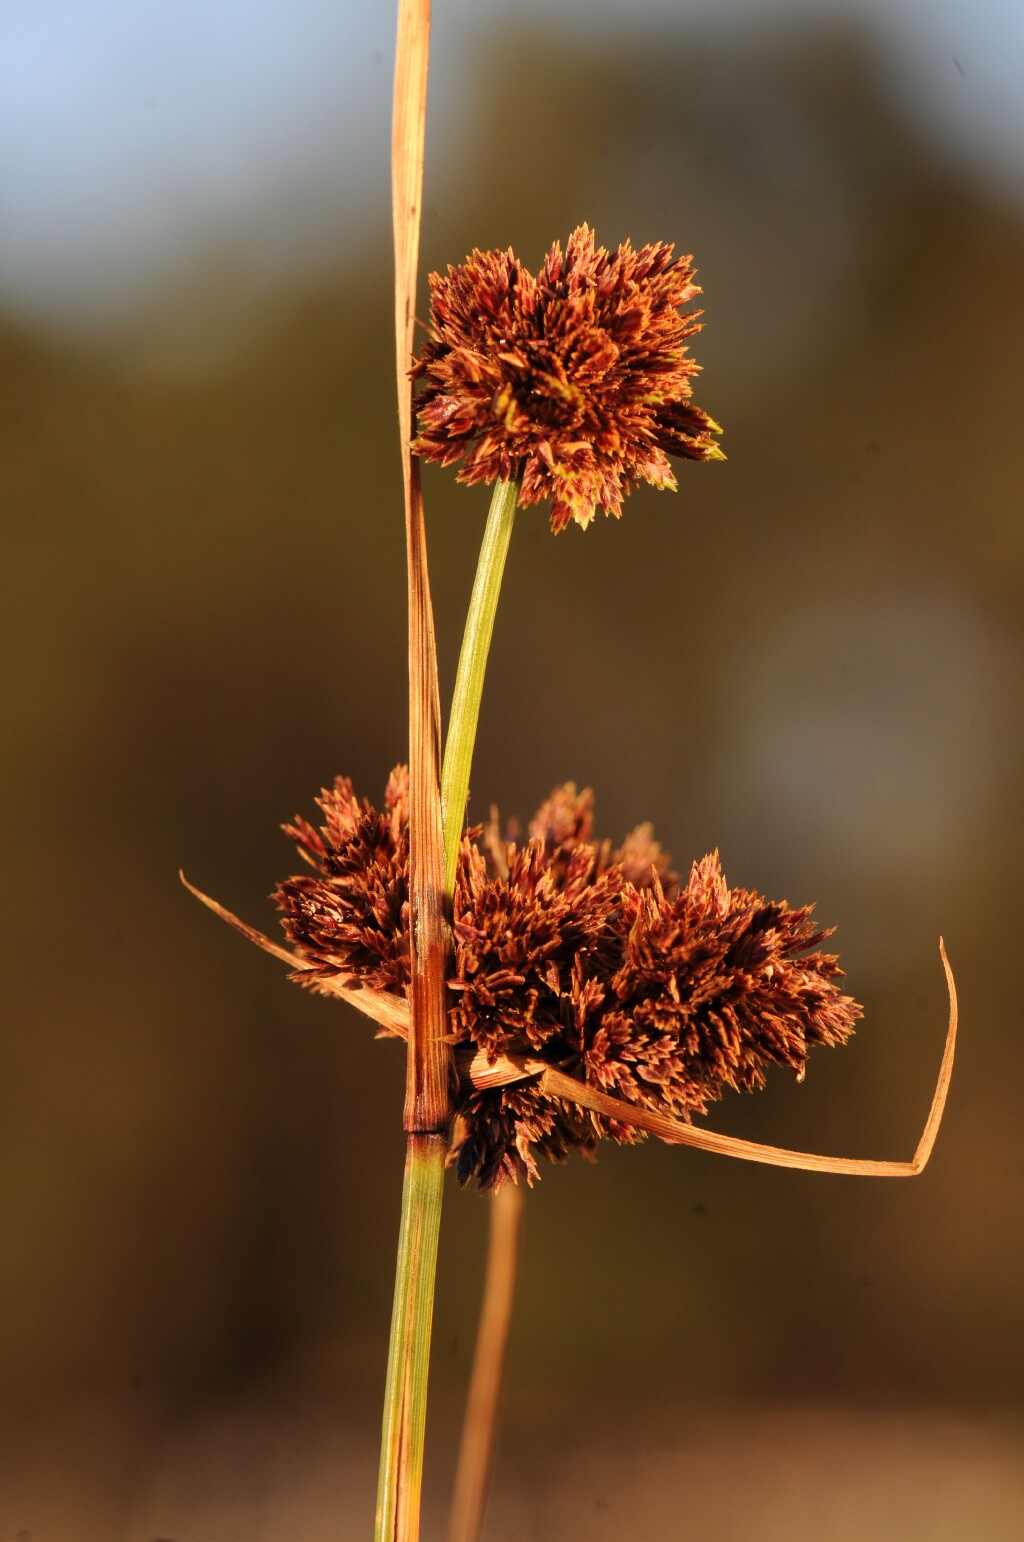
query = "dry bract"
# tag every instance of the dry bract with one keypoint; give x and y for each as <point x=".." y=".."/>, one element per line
<point x="599" y="962"/>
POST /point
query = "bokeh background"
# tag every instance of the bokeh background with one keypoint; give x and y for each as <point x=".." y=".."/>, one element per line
<point x="811" y="657"/>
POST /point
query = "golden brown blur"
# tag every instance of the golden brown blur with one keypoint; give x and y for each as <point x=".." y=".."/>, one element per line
<point x="810" y="657"/>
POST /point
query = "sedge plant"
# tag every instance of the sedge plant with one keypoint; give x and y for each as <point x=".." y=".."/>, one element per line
<point x="553" y="989"/>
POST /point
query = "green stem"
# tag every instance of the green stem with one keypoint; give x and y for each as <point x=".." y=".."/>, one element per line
<point x="405" y="1394"/>
<point x="469" y="681"/>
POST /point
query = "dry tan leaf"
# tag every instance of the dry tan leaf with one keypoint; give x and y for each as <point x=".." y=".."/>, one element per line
<point x="427" y="1100"/>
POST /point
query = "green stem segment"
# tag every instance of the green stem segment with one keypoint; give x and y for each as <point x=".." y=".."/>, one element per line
<point x="405" y="1394"/>
<point x="469" y="682"/>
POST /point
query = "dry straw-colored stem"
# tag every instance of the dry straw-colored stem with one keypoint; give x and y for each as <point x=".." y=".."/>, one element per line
<point x="428" y="1062"/>
<point x="427" y="1098"/>
<point x="472" y="1475"/>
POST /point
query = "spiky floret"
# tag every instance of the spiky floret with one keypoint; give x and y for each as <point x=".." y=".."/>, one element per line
<point x="579" y="379"/>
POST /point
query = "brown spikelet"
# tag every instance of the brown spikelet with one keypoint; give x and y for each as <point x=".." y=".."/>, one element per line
<point x="351" y="921"/>
<point x="580" y="378"/>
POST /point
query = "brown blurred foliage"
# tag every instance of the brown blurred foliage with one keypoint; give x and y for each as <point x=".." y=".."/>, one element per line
<point x="810" y="657"/>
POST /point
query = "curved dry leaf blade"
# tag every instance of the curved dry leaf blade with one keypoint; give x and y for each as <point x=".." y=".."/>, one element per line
<point x="389" y="1011"/>
<point x="247" y="931"/>
<point x="556" y="1084"/>
<point x="931" y="1128"/>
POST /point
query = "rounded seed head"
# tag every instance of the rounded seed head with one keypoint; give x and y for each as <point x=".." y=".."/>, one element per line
<point x="579" y="380"/>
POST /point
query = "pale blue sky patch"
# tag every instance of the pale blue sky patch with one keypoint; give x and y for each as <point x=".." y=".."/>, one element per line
<point x="134" y="135"/>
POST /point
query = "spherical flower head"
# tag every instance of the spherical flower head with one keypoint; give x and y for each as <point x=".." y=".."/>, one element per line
<point x="599" y="961"/>
<point x="578" y="379"/>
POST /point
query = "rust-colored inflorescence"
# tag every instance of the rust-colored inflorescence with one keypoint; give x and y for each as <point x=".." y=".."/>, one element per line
<point x="599" y="962"/>
<point x="578" y="379"/>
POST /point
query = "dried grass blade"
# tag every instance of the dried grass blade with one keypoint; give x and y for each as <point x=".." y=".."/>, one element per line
<point x="931" y="1128"/>
<point x="484" y="1073"/>
<point x="427" y="1100"/>
<point x="428" y="1060"/>
<point x="389" y="1012"/>
<point x="408" y="133"/>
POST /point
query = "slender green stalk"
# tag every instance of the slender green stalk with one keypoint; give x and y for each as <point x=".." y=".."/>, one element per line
<point x="405" y="1393"/>
<point x="469" y="681"/>
<point x="481" y="1413"/>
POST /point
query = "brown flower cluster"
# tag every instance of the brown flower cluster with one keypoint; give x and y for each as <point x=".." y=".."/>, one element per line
<point x="350" y="922"/>
<point x="580" y="378"/>
<point x="602" y="963"/>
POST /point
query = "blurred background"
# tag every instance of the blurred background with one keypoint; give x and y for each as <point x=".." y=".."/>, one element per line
<point x="810" y="657"/>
